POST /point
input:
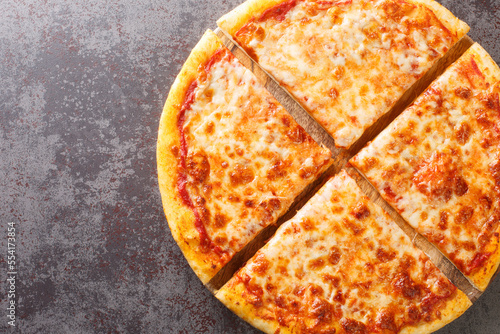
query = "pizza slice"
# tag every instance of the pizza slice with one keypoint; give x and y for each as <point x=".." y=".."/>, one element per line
<point x="341" y="265"/>
<point x="438" y="164"/>
<point x="231" y="160"/>
<point x="347" y="62"/>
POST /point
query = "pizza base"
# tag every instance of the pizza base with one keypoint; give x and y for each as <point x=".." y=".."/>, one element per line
<point x="181" y="219"/>
<point x="238" y="17"/>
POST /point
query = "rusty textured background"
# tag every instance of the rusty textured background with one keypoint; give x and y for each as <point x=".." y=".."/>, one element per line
<point x="82" y="84"/>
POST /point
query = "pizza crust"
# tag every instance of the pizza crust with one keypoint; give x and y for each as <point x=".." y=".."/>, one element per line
<point x="180" y="218"/>
<point x="450" y="21"/>
<point x="238" y="17"/>
<point x="454" y="309"/>
<point x="231" y="298"/>
<point x="491" y="72"/>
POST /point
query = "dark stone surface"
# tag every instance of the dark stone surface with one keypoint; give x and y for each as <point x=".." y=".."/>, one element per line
<point x="82" y="86"/>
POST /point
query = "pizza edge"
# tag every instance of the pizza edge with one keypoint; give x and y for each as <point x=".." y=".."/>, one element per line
<point x="238" y="17"/>
<point x="231" y="294"/>
<point x="491" y="71"/>
<point x="180" y="218"/>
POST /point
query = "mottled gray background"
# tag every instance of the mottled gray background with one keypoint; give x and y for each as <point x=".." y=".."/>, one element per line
<point x="82" y="84"/>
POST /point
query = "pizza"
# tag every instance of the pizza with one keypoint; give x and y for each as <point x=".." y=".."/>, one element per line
<point x="341" y="265"/>
<point x="231" y="160"/>
<point x="438" y="165"/>
<point x="347" y="62"/>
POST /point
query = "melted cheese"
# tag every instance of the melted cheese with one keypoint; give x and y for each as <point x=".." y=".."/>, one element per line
<point x="340" y="265"/>
<point x="348" y="63"/>
<point x="436" y="164"/>
<point x="247" y="158"/>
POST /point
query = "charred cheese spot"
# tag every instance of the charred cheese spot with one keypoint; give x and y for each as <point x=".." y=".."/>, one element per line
<point x="443" y="220"/>
<point x="339" y="297"/>
<point x="307" y="172"/>
<point x="353" y="227"/>
<point x="361" y="211"/>
<point x="334" y="256"/>
<point x="385" y="255"/>
<point x="241" y="175"/>
<point x="316" y="264"/>
<point x="463" y="92"/>
<point x="220" y="220"/>
<point x="298" y="135"/>
<point x="495" y="172"/>
<point x="278" y="170"/>
<point x="175" y="151"/>
<point x="463" y="133"/>
<point x="493" y="102"/>
<point x="352" y="326"/>
<point x="198" y="167"/>
<point x="461" y="186"/>
<point x="385" y="321"/>
<point x="464" y="215"/>
<point x="321" y="311"/>
<point x="404" y="284"/>
<point x="307" y="224"/>
<point x="413" y="314"/>
<point x="261" y="265"/>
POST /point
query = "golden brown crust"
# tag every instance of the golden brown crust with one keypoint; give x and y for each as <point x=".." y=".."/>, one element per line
<point x="450" y="21"/>
<point x="238" y="17"/>
<point x="231" y="298"/>
<point x="180" y="218"/>
<point x="454" y="309"/>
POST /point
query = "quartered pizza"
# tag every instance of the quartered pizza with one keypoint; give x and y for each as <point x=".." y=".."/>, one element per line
<point x="346" y="61"/>
<point x="232" y="161"/>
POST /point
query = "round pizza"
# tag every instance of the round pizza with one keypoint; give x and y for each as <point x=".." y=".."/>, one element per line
<point x="234" y="165"/>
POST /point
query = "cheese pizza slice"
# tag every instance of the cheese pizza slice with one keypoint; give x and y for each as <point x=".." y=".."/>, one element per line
<point x="347" y="62"/>
<point x="341" y="265"/>
<point x="438" y="164"/>
<point x="231" y="160"/>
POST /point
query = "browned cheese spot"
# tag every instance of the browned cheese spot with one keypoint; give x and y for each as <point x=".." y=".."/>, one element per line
<point x="198" y="167"/>
<point x="241" y="175"/>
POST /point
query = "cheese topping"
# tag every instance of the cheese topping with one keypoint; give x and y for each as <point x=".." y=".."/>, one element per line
<point x="438" y="164"/>
<point x="341" y="265"/>
<point x="246" y="158"/>
<point x="346" y="62"/>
